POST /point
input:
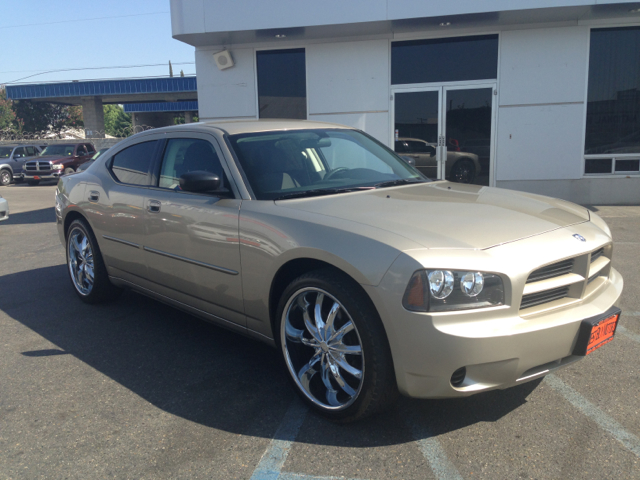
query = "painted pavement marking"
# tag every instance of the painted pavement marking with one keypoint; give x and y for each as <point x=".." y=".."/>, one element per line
<point x="270" y="465"/>
<point x="628" y="334"/>
<point x="630" y="441"/>
<point x="434" y="453"/>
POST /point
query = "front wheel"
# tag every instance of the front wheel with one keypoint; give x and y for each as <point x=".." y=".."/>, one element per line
<point x="335" y="347"/>
<point x="5" y="177"/>
<point x="69" y="170"/>
<point x="463" y="171"/>
<point x="85" y="265"/>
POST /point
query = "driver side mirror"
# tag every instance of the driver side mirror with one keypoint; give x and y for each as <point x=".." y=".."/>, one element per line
<point x="200" y="181"/>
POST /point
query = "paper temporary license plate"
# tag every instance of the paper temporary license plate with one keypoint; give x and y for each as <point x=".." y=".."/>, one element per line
<point x="597" y="331"/>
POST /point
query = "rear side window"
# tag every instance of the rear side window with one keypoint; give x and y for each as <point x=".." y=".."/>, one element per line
<point x="31" y="151"/>
<point x="131" y="165"/>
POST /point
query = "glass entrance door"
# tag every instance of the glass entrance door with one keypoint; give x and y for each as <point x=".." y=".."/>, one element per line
<point x="447" y="131"/>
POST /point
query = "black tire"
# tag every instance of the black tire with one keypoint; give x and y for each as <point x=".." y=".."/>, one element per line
<point x="5" y="177"/>
<point x="376" y="390"/>
<point x="100" y="289"/>
<point x="69" y="170"/>
<point x="463" y="171"/>
<point x="33" y="183"/>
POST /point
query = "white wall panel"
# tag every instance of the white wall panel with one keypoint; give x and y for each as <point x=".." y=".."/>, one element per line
<point x="375" y="124"/>
<point x="348" y="77"/>
<point x="539" y="142"/>
<point x="543" y="65"/>
<point x="187" y="16"/>
<point x="226" y="93"/>
<point x="230" y="15"/>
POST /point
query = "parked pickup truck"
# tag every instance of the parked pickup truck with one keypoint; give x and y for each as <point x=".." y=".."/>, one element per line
<point x="57" y="160"/>
<point x="12" y="160"/>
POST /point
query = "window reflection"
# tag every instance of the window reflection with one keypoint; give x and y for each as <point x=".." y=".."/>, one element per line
<point x="282" y="84"/>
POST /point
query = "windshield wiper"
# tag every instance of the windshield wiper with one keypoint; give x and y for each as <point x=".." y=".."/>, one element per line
<point x="321" y="191"/>
<point x="400" y="181"/>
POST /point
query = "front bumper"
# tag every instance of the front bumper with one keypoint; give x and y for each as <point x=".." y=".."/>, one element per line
<point x="42" y="176"/>
<point x="499" y="346"/>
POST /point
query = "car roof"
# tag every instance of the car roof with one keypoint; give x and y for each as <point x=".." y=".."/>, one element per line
<point x="251" y="126"/>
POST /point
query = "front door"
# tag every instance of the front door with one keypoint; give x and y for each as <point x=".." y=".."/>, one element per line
<point x="191" y="242"/>
<point x="447" y="130"/>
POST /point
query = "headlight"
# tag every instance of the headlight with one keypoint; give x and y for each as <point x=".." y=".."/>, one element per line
<point x="57" y="167"/>
<point x="446" y="290"/>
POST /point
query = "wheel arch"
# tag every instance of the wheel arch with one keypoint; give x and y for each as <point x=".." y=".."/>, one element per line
<point x="70" y="217"/>
<point x="292" y="269"/>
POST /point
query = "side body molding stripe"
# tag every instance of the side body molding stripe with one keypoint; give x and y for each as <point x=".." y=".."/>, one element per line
<point x="119" y="240"/>
<point x="191" y="261"/>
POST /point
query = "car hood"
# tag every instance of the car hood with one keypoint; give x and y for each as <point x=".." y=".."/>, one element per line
<point x="53" y="158"/>
<point x="448" y="215"/>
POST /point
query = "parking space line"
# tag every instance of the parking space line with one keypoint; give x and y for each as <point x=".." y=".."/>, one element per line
<point x="630" y="441"/>
<point x="300" y="476"/>
<point x="628" y="334"/>
<point x="273" y="459"/>
<point x="434" y="453"/>
<point x="631" y="314"/>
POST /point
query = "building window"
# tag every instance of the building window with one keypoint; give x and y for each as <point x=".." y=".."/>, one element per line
<point x="612" y="140"/>
<point x="282" y="83"/>
<point x="444" y="60"/>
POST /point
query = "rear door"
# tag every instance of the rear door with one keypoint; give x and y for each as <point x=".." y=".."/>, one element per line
<point x="116" y="208"/>
<point x="191" y="243"/>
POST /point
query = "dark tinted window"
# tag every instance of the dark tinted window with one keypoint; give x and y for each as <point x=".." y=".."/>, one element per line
<point x="31" y="151"/>
<point x="131" y="165"/>
<point x="598" y="165"/>
<point x="444" y="60"/>
<point x="613" y="109"/>
<point x="19" y="153"/>
<point x="81" y="150"/>
<point x="282" y="84"/>
<point x="184" y="155"/>
<point x="90" y="148"/>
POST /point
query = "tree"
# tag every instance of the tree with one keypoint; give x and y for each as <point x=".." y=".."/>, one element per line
<point x="7" y="115"/>
<point x="117" y="123"/>
<point x="39" y="116"/>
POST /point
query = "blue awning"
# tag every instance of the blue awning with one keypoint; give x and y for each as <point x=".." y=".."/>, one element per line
<point x="161" y="107"/>
<point x="102" y="88"/>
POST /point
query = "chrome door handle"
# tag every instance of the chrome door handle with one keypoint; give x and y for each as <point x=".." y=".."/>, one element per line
<point x="154" y="206"/>
<point x="94" y="196"/>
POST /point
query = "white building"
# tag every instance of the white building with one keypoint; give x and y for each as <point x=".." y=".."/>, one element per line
<point x="545" y="92"/>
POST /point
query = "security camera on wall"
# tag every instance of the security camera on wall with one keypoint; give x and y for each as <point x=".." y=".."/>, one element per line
<point x="223" y="59"/>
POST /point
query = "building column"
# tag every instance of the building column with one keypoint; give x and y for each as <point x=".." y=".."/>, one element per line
<point x="93" y="117"/>
<point x="188" y="117"/>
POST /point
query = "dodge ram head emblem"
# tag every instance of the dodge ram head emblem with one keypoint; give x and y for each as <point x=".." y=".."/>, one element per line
<point x="579" y="237"/>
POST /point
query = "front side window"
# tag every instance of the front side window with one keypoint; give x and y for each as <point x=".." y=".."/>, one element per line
<point x="184" y="155"/>
<point x="282" y="83"/>
<point x="61" y="150"/>
<point x="302" y="163"/>
<point x="131" y="165"/>
<point x="5" y="152"/>
<point x="612" y="140"/>
<point x="81" y="150"/>
<point x="19" y="153"/>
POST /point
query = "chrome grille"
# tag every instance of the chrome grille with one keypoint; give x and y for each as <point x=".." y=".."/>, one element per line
<point x="597" y="254"/>
<point x="37" y="166"/>
<point x="545" y="296"/>
<point x="551" y="271"/>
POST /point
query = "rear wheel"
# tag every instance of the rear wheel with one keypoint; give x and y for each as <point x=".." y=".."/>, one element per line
<point x="335" y="347"/>
<point x="33" y="183"/>
<point x="85" y="265"/>
<point x="5" y="177"/>
<point x="463" y="171"/>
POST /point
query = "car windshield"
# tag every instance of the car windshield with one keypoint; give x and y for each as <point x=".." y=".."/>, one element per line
<point x="62" y="150"/>
<point x="98" y="153"/>
<point x="5" y="152"/>
<point x="300" y="163"/>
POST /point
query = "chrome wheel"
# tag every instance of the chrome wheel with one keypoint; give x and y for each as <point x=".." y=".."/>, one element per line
<point x="5" y="177"/>
<point x="80" y="259"/>
<point x="322" y="348"/>
<point x="463" y="172"/>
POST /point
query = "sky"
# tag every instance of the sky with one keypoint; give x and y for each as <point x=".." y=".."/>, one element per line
<point x="82" y="37"/>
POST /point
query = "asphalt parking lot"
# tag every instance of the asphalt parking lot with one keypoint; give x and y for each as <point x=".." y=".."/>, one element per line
<point x="136" y="389"/>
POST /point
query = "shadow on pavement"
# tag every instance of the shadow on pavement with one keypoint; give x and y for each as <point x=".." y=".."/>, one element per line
<point x="44" y="215"/>
<point x="205" y="374"/>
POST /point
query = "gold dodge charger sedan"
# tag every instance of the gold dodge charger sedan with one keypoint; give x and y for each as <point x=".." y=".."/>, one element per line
<point x="367" y="276"/>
